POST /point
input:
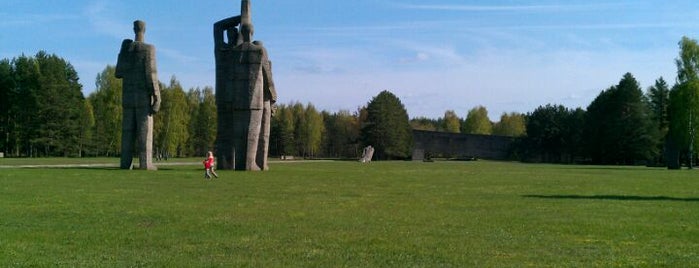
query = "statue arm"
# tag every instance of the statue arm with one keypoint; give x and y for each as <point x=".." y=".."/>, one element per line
<point x="221" y="26"/>
<point x="268" y="80"/>
<point x="152" y="80"/>
<point x="119" y="72"/>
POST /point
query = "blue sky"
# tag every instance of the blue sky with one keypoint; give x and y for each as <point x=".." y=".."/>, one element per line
<point x="509" y="56"/>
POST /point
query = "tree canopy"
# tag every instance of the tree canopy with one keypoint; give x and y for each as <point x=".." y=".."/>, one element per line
<point x="618" y="125"/>
<point x="683" y="110"/>
<point x="512" y="125"/>
<point x="477" y="122"/>
<point x="387" y="127"/>
<point x="452" y="123"/>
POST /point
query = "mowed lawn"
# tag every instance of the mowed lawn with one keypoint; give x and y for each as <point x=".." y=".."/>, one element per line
<point x="348" y="214"/>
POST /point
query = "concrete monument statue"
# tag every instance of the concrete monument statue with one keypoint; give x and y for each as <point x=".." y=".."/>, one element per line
<point x="245" y="94"/>
<point x="141" y="98"/>
<point x="367" y="154"/>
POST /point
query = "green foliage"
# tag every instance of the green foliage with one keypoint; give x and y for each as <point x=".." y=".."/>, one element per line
<point x="477" y="122"/>
<point x="452" y="123"/>
<point x="387" y="128"/>
<point x="684" y="99"/>
<point x="553" y="134"/>
<point x="618" y="125"/>
<point x="345" y="214"/>
<point x="658" y="96"/>
<point x="688" y="62"/>
<point x="26" y="77"/>
<point x="424" y="123"/>
<point x="8" y="96"/>
<point x="512" y="125"/>
<point x="106" y="103"/>
<point x="342" y="134"/>
<point x="202" y="134"/>
<point x="44" y="106"/>
<point x="297" y="130"/>
<point x="283" y="128"/>
<point x="171" y="130"/>
<point x="683" y="114"/>
<point x="87" y="126"/>
<point x="311" y="131"/>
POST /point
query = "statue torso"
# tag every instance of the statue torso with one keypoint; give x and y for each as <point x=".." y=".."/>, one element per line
<point x="241" y="76"/>
<point x="134" y="65"/>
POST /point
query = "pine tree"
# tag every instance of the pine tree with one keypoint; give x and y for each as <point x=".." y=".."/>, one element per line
<point x="7" y="106"/>
<point x="387" y="127"/>
<point x="618" y="126"/>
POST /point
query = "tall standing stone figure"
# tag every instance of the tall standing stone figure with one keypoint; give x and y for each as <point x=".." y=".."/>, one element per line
<point x="140" y="98"/>
<point x="245" y="94"/>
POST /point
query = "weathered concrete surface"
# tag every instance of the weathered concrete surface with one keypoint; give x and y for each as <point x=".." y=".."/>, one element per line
<point x="136" y="67"/>
<point x="245" y="94"/>
<point x="461" y="145"/>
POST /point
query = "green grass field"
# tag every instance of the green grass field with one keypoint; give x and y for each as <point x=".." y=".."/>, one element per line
<point x="347" y="214"/>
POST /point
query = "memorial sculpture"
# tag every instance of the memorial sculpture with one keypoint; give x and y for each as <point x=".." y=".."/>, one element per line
<point x="245" y="94"/>
<point x="140" y="98"/>
<point x="367" y="154"/>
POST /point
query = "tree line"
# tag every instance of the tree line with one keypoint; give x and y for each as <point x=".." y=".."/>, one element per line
<point x="623" y="125"/>
<point x="43" y="113"/>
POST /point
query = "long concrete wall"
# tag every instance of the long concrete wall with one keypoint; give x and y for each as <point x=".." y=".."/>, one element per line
<point x="460" y="145"/>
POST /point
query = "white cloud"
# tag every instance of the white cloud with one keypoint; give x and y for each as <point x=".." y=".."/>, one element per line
<point x="490" y="8"/>
<point x="99" y="15"/>
<point x="500" y="80"/>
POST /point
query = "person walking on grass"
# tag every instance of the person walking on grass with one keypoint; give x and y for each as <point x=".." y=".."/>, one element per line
<point x="209" y="166"/>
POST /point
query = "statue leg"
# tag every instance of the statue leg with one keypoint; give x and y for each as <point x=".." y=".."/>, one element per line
<point x="254" y="129"/>
<point x="128" y="131"/>
<point x="145" y="140"/>
<point x="263" y="144"/>
<point x="224" y="144"/>
<point x="240" y="124"/>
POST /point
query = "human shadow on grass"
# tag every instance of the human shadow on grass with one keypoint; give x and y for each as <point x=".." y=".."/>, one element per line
<point x="614" y="197"/>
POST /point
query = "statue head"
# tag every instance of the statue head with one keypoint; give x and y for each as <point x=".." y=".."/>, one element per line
<point x="247" y="31"/>
<point x="139" y="28"/>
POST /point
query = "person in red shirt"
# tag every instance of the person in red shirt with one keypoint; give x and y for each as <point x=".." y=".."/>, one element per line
<point x="209" y="166"/>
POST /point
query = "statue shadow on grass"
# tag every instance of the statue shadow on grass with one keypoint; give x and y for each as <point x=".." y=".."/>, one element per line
<point x="107" y="168"/>
<point x="614" y="197"/>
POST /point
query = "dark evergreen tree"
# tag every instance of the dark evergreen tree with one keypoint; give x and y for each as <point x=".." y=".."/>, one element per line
<point x="618" y="126"/>
<point x="658" y="96"/>
<point x="546" y="133"/>
<point x="387" y="128"/>
<point x="7" y="106"/>
<point x="26" y="77"/>
<point x="553" y="134"/>
<point x="61" y="106"/>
